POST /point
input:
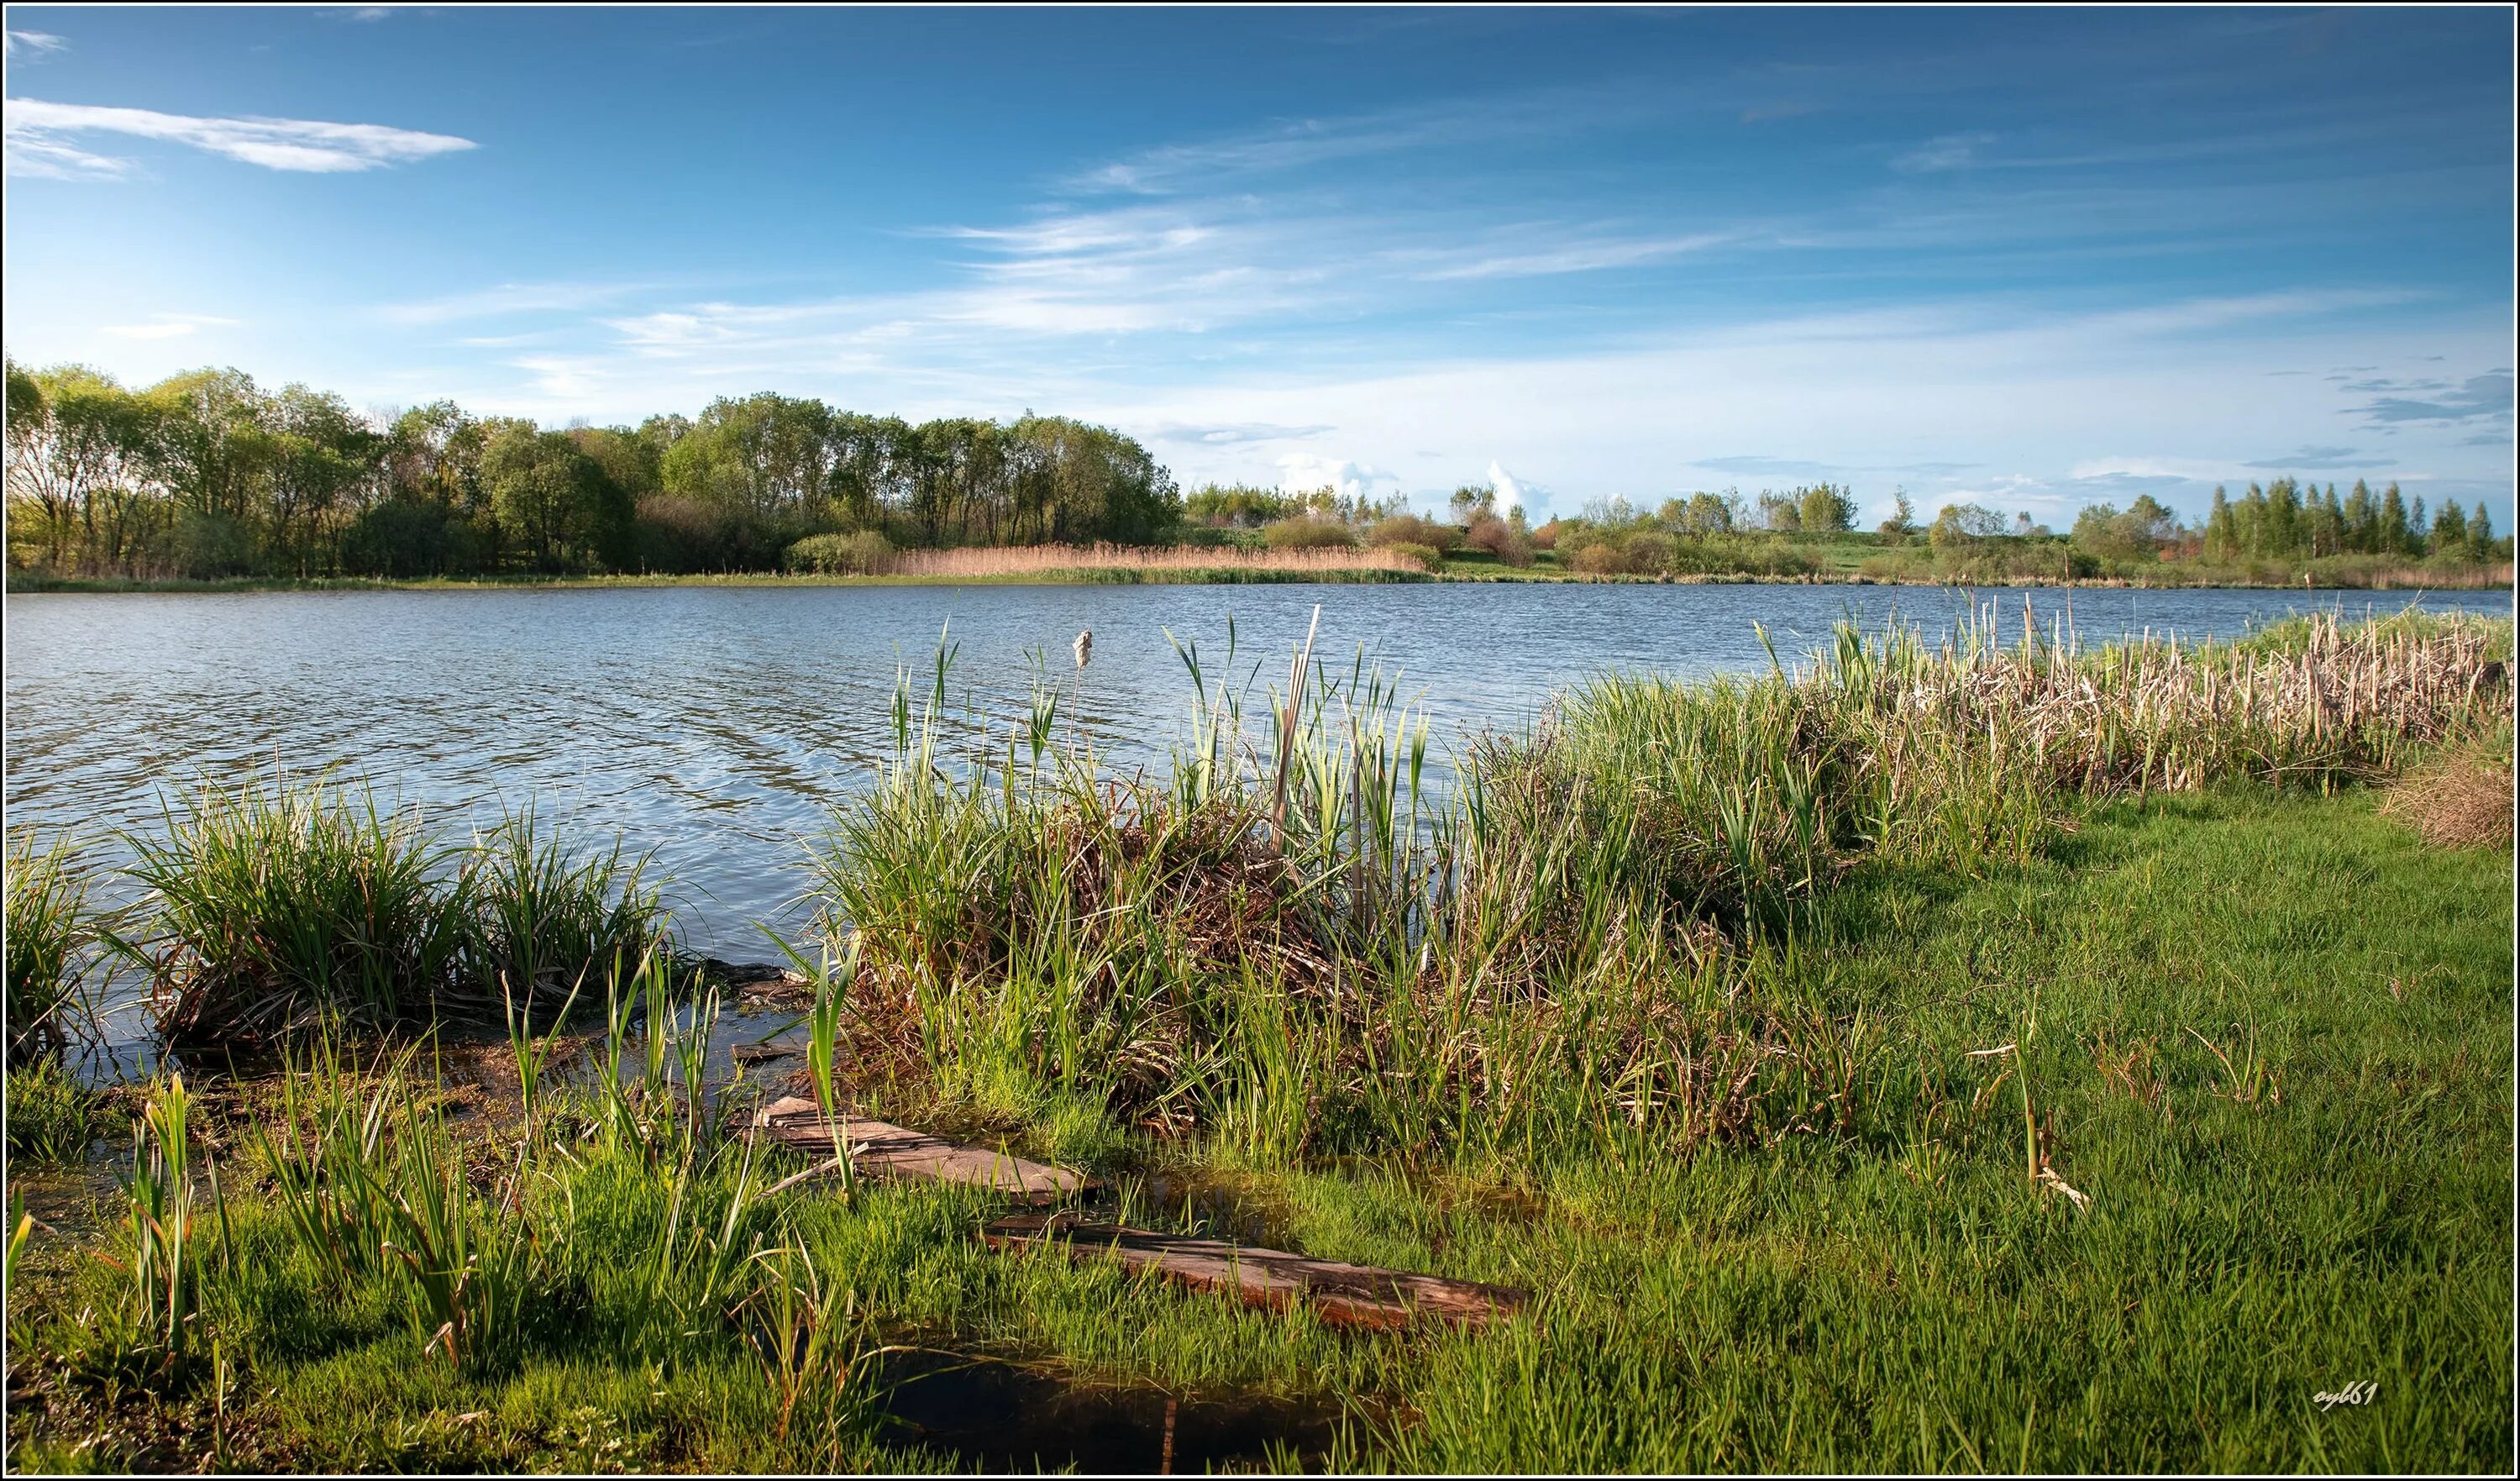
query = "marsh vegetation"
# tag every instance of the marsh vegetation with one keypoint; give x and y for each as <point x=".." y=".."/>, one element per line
<point x="1991" y="1053"/>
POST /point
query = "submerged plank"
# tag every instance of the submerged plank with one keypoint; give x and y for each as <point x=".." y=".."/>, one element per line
<point x="880" y="1149"/>
<point x="1346" y="1295"/>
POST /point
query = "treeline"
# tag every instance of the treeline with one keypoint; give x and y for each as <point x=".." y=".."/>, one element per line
<point x="2287" y="518"/>
<point x="1703" y="533"/>
<point x="2279" y="532"/>
<point x="1325" y="518"/>
<point x="207" y="474"/>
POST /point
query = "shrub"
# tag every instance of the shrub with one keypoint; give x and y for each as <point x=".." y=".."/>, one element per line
<point x="1650" y="553"/>
<point x="671" y="533"/>
<point x="1425" y="556"/>
<point x="1596" y="558"/>
<point x="858" y="553"/>
<point x="1508" y="543"/>
<point x="211" y="545"/>
<point x="1408" y="530"/>
<point x="1308" y="534"/>
<point x="406" y="537"/>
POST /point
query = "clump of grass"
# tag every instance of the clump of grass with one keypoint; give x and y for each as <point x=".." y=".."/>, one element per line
<point x="546" y="915"/>
<point x="2460" y="799"/>
<point x="279" y="902"/>
<point x="53" y="1118"/>
<point x="50" y="928"/>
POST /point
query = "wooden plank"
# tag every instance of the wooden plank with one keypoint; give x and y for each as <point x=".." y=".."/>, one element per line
<point x="1346" y="1295"/>
<point x="882" y="1149"/>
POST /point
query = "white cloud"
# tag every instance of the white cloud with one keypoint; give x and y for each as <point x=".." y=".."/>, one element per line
<point x="1509" y="492"/>
<point x="26" y="46"/>
<point x="38" y="135"/>
<point x="168" y="325"/>
<point x="1302" y="472"/>
<point x="1580" y="257"/>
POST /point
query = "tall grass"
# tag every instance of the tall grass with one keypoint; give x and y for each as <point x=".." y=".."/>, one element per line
<point x="163" y="1263"/>
<point x="1287" y="940"/>
<point x="278" y="903"/>
<point x="53" y="1118"/>
<point x="545" y="916"/>
<point x="50" y="928"/>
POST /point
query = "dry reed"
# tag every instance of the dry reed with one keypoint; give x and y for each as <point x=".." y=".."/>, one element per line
<point x="2462" y="801"/>
<point x="1047" y="560"/>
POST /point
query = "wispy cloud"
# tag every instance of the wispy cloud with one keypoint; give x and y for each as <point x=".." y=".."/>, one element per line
<point x="168" y="325"/>
<point x="1580" y="257"/>
<point x="39" y="135"/>
<point x="26" y="46"/>
<point x="1300" y="143"/>
<point x="2317" y="460"/>
<point x="1233" y="434"/>
<point x="2478" y="397"/>
<point x="509" y="298"/>
<point x="1949" y="151"/>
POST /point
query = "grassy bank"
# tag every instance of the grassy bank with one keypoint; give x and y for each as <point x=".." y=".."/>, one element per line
<point x="27" y="583"/>
<point x="1832" y="565"/>
<point x="1981" y="1058"/>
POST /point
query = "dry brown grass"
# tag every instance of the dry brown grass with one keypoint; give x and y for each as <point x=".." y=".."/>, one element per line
<point x="2462" y="801"/>
<point x="1045" y="560"/>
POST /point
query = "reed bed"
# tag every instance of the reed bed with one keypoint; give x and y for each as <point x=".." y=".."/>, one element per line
<point x="1041" y="560"/>
<point x="1288" y="941"/>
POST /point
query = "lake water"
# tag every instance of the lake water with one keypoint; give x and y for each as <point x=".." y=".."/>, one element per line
<point x="717" y="726"/>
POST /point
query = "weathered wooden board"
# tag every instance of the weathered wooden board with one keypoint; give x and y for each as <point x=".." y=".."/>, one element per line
<point x="880" y="1149"/>
<point x="1346" y="1295"/>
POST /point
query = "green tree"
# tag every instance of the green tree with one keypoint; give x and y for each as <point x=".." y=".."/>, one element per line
<point x="2222" y="533"/>
<point x="2449" y="531"/>
<point x="2392" y="537"/>
<point x="555" y="506"/>
<point x="77" y="444"/>
<point x="1827" y="509"/>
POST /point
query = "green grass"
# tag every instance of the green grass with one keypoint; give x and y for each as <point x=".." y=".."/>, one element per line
<point x="1897" y="1298"/>
<point x="50" y="931"/>
<point x="52" y="1117"/>
<point x="274" y="905"/>
<point x="1844" y="558"/>
<point x="1984" y="1058"/>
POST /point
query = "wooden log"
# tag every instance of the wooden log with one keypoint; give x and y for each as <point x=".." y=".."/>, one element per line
<point x="882" y="1149"/>
<point x="1345" y="1295"/>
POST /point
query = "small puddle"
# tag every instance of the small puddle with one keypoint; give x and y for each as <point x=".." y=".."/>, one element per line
<point x="993" y="1416"/>
<point x="66" y="1200"/>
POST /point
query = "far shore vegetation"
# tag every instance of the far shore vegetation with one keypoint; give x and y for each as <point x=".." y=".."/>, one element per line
<point x="210" y="480"/>
<point x="1986" y="1054"/>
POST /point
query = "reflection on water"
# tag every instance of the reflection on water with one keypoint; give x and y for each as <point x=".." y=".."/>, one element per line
<point x="717" y="726"/>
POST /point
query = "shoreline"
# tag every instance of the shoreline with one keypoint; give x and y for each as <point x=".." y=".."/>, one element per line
<point x="21" y="584"/>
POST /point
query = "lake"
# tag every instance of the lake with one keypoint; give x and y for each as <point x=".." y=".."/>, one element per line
<point x="717" y="726"/>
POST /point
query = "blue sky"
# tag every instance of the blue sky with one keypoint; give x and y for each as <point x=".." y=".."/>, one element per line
<point x="2031" y="258"/>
